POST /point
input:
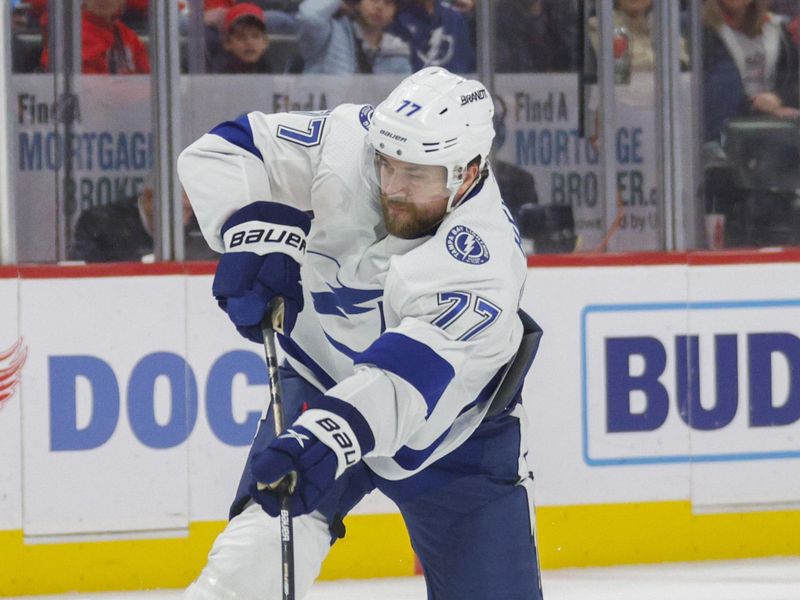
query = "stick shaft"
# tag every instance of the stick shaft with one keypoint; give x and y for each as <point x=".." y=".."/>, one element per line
<point x="275" y="395"/>
<point x="268" y="327"/>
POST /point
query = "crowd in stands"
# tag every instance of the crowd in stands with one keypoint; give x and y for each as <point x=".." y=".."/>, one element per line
<point x="401" y="36"/>
<point x="326" y="36"/>
<point x="749" y="48"/>
<point x="750" y="121"/>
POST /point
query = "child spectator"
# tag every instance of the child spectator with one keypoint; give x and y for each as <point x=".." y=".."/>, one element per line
<point x="355" y="41"/>
<point x="439" y="34"/>
<point x="109" y="46"/>
<point x="244" y="42"/>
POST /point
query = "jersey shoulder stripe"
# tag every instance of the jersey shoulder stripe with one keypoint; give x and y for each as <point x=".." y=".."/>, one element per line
<point x="239" y="133"/>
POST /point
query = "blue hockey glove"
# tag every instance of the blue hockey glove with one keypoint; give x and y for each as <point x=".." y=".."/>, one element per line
<point x="264" y="245"/>
<point x="318" y="448"/>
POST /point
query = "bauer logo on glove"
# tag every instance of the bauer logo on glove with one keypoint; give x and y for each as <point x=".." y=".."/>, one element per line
<point x="263" y="240"/>
<point x="341" y="438"/>
<point x="265" y="244"/>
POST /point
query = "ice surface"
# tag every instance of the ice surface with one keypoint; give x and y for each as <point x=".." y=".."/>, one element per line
<point x="761" y="579"/>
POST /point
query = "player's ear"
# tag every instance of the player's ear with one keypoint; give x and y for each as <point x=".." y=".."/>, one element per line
<point x="470" y="176"/>
<point x="473" y="170"/>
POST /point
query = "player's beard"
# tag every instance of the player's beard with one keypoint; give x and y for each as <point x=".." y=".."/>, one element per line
<point x="409" y="220"/>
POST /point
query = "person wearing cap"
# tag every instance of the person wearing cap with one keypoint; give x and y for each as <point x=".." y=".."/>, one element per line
<point x="244" y="42"/>
<point x="347" y="37"/>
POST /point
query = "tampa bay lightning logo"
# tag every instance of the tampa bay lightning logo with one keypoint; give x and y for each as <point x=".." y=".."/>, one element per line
<point x="467" y="246"/>
<point x="441" y="46"/>
<point x="365" y="116"/>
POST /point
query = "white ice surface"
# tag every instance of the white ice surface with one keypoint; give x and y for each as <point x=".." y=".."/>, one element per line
<point x="762" y="579"/>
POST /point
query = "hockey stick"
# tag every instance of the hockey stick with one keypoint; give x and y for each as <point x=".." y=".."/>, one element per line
<point x="273" y="321"/>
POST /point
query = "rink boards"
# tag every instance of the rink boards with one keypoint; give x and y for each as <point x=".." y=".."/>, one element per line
<point x="664" y="413"/>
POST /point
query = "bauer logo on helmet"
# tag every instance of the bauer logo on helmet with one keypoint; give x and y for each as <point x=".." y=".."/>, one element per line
<point x="393" y="136"/>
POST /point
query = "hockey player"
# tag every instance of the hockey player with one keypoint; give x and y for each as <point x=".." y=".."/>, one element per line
<point x="401" y="271"/>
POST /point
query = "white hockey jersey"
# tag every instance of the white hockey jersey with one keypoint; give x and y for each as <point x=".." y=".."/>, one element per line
<point x="413" y="333"/>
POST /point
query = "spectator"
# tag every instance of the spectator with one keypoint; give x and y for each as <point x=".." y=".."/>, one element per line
<point x="536" y="36"/>
<point x="517" y="186"/>
<point x="109" y="46"/>
<point x="635" y="16"/>
<point x="750" y="64"/>
<point x="244" y="42"/>
<point x="438" y="33"/>
<point x="123" y="231"/>
<point x="280" y="58"/>
<point x="349" y="37"/>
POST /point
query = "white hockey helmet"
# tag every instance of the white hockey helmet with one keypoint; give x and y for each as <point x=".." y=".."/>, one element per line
<point x="436" y="118"/>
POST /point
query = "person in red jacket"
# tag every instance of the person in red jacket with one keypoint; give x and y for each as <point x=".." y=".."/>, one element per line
<point x="39" y="7"/>
<point x="109" y="47"/>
